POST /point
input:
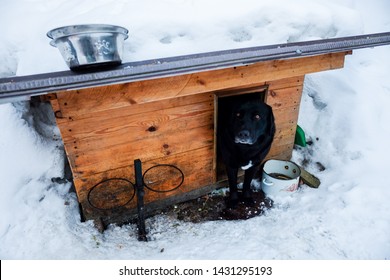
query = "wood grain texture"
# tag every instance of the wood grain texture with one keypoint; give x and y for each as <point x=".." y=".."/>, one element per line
<point x="85" y="101"/>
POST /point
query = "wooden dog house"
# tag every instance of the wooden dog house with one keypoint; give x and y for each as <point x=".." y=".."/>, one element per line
<point x="168" y="121"/>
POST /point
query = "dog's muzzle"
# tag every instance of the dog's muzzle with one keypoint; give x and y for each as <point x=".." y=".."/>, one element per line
<point x="244" y="137"/>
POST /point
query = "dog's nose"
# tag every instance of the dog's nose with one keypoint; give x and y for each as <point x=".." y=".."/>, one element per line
<point x="244" y="134"/>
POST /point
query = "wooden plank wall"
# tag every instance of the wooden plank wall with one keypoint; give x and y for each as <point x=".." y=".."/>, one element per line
<point x="285" y="97"/>
<point x="104" y="144"/>
<point x="168" y="121"/>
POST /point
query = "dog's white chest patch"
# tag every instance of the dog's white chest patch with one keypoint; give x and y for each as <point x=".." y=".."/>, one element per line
<point x="249" y="165"/>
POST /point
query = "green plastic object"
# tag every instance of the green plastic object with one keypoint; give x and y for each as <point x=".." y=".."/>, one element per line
<point x="300" y="138"/>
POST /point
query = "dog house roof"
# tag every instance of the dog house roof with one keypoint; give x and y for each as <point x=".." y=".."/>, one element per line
<point x="23" y="87"/>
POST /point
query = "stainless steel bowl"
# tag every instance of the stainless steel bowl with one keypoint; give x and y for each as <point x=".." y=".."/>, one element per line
<point x="89" y="46"/>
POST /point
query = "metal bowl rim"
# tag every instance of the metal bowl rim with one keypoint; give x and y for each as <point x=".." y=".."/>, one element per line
<point x="104" y="28"/>
<point x="53" y="42"/>
<point x="281" y="160"/>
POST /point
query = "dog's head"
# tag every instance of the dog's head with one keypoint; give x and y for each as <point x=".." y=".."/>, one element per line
<point x="251" y="120"/>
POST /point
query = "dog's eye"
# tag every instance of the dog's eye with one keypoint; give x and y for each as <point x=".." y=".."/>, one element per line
<point x="257" y="117"/>
<point x="238" y="114"/>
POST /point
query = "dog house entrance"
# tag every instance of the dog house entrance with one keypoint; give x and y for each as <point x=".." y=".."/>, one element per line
<point x="221" y="100"/>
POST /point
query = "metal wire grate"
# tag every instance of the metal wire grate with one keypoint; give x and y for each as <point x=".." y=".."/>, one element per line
<point x="113" y="188"/>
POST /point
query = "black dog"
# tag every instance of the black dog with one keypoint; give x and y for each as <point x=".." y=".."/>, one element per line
<point x="246" y="130"/>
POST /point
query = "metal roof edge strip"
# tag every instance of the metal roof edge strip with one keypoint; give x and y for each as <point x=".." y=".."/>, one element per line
<point x="21" y="87"/>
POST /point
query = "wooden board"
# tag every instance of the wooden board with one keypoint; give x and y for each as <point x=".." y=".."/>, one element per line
<point x="85" y="101"/>
<point x="100" y="142"/>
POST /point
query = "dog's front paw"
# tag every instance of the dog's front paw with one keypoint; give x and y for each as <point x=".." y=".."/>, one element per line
<point x="247" y="198"/>
<point x="232" y="200"/>
<point x="232" y="203"/>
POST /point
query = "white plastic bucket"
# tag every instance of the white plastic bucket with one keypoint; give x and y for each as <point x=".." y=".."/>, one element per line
<point x="280" y="177"/>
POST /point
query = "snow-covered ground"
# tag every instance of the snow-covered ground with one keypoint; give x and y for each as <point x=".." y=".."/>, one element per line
<point x="345" y="112"/>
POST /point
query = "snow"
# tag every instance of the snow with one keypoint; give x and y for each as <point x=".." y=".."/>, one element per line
<point x="343" y="111"/>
